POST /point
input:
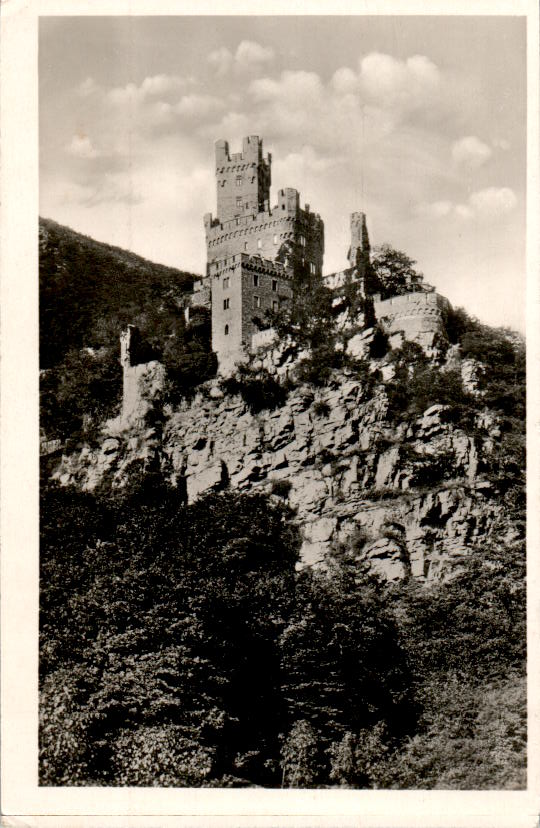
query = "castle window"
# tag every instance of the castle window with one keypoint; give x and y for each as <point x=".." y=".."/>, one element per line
<point x="275" y="239"/>
<point x="303" y="241"/>
<point x="256" y="301"/>
<point x="255" y="280"/>
<point x="225" y="282"/>
<point x="245" y="245"/>
<point x="259" y="244"/>
<point x="275" y="305"/>
<point x="239" y="201"/>
<point x="226" y="330"/>
<point x="238" y="180"/>
<point x="226" y="304"/>
<point x="274" y="284"/>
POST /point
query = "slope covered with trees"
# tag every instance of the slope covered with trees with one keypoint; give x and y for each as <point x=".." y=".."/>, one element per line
<point x="181" y="645"/>
<point x="89" y="292"/>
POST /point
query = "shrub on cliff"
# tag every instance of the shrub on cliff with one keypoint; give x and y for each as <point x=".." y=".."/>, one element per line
<point x="79" y="393"/>
<point x="187" y="355"/>
<point x="258" y="388"/>
<point x="394" y="270"/>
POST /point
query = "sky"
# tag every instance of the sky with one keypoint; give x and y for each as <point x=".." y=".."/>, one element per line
<point x="420" y="122"/>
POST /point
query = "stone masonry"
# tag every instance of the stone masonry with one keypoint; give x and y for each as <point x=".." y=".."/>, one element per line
<point x="253" y="250"/>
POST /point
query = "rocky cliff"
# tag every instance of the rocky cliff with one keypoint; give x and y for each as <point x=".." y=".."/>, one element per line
<point x="413" y="495"/>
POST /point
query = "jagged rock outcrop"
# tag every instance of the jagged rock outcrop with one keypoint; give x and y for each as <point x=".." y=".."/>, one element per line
<point x="417" y="493"/>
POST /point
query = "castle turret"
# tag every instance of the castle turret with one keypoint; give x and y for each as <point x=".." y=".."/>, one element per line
<point x="242" y="179"/>
<point x="360" y="250"/>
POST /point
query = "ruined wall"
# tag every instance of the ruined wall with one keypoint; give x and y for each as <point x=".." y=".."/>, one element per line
<point x="142" y="381"/>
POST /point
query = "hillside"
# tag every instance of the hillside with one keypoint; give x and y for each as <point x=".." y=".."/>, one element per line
<point x="89" y="291"/>
<point x="307" y="574"/>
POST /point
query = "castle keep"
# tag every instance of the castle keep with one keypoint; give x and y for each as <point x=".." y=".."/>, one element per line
<point x="254" y="251"/>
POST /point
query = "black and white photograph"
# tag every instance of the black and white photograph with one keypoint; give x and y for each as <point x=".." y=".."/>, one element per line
<point x="282" y="402"/>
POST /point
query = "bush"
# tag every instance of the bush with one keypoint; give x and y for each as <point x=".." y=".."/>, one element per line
<point x="259" y="389"/>
<point x="281" y="488"/>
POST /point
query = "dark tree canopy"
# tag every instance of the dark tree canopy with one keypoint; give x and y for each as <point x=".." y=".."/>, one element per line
<point x="395" y="271"/>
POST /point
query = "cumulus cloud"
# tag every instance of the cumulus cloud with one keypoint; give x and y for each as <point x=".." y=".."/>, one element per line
<point x="150" y="87"/>
<point x="249" y="55"/>
<point x="198" y="106"/>
<point x="493" y="201"/>
<point x="81" y="147"/>
<point x="434" y="209"/>
<point x="409" y="83"/>
<point x="470" y="152"/>
<point x="489" y="203"/>
<point x="221" y="60"/>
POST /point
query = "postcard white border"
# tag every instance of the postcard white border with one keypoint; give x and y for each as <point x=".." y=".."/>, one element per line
<point x="22" y="801"/>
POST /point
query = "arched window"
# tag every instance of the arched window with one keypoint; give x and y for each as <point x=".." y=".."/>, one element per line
<point x="226" y="330"/>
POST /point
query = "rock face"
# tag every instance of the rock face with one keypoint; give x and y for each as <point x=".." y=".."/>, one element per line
<point x="416" y="494"/>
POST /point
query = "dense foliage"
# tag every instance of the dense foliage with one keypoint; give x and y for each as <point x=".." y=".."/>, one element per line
<point x="396" y="272"/>
<point x="180" y="646"/>
<point x="89" y="292"/>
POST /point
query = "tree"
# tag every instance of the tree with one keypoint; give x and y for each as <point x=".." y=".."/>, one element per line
<point x="395" y="271"/>
<point x="167" y="619"/>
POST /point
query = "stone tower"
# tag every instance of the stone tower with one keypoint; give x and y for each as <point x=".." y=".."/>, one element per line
<point x="360" y="250"/>
<point x="254" y="251"/>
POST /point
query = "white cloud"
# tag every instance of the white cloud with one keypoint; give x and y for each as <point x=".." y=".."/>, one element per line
<point x="470" y="152"/>
<point x="198" y="106"/>
<point x="81" y="147"/>
<point x="344" y="80"/>
<point x="221" y="59"/>
<point x="435" y="209"/>
<point x="463" y="211"/>
<point x="249" y="53"/>
<point x="407" y="84"/>
<point x="150" y="86"/>
<point x="493" y="201"/>
<point x="489" y="203"/>
<point x="298" y="88"/>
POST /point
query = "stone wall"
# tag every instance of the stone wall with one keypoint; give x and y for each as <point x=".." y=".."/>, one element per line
<point x="419" y="317"/>
<point x="142" y="381"/>
<point x="242" y="178"/>
<point x="243" y="288"/>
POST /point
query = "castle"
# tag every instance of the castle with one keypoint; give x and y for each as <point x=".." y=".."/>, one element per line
<point x="256" y="253"/>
